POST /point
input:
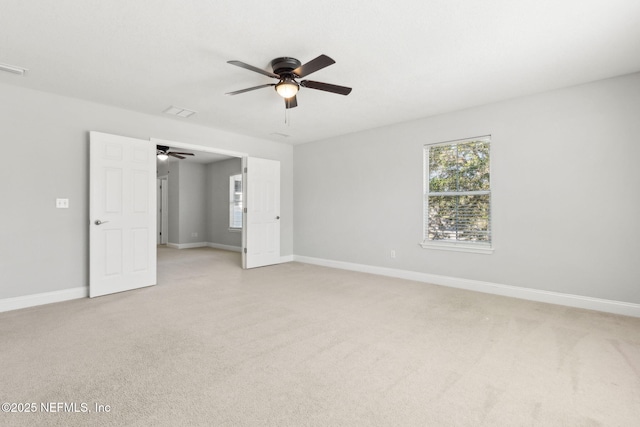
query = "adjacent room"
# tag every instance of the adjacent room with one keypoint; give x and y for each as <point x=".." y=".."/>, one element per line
<point x="199" y="205"/>
<point x="321" y="213"/>
<point x="200" y="201"/>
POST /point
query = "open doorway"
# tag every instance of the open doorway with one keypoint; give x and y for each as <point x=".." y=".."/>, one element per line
<point x="124" y="196"/>
<point x="199" y="201"/>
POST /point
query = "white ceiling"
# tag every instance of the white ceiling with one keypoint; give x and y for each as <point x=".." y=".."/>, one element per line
<point x="405" y="59"/>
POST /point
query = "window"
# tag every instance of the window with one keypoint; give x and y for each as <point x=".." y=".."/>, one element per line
<point x="235" y="202"/>
<point x="457" y="195"/>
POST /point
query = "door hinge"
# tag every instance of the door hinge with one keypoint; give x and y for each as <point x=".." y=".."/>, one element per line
<point x="245" y="250"/>
<point x="245" y="170"/>
<point x="245" y="210"/>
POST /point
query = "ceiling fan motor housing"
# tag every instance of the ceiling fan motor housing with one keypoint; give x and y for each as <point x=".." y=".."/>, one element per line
<point x="284" y="65"/>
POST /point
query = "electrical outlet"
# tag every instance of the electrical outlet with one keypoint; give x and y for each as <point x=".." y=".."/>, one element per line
<point x="393" y="253"/>
<point x="62" y="203"/>
<point x="194" y="234"/>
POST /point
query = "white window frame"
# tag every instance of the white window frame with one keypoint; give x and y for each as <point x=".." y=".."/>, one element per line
<point x="232" y="201"/>
<point x="460" y="246"/>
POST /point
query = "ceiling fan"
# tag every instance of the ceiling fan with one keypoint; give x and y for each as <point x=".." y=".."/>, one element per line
<point x="164" y="153"/>
<point x="287" y="70"/>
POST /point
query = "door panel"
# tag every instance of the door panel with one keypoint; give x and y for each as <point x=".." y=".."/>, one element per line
<point x="113" y="252"/>
<point x="122" y="214"/>
<point x="262" y="220"/>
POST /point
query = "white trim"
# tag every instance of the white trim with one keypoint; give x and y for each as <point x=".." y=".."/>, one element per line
<point x="608" y="306"/>
<point x="485" y="138"/>
<point x="204" y="245"/>
<point x="162" y="218"/>
<point x="16" y="303"/>
<point x="187" y="245"/>
<point x="185" y="146"/>
<point x="570" y="300"/>
<point x="224" y="247"/>
<point x="458" y="247"/>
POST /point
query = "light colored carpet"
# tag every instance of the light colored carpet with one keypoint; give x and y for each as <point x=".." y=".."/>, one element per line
<point x="301" y="345"/>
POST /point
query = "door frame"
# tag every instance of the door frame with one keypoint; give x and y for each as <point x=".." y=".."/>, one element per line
<point x="163" y="206"/>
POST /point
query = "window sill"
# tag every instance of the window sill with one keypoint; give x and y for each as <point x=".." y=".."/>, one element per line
<point x="236" y="230"/>
<point x="458" y="247"/>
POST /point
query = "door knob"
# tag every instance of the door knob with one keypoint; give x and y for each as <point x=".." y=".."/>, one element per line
<point x="98" y="222"/>
<point x="278" y="217"/>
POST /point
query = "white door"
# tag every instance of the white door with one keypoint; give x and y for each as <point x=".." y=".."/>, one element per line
<point x="262" y="218"/>
<point x="122" y="214"/>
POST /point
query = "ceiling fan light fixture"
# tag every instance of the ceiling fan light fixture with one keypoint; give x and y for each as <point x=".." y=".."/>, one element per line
<point x="287" y="88"/>
<point x="162" y="157"/>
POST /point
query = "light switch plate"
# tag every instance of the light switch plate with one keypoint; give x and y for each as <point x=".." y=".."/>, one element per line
<point x="62" y="203"/>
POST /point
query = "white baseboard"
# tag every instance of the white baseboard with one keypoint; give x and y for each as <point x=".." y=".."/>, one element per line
<point x="16" y="303"/>
<point x="578" y="301"/>
<point x="187" y="245"/>
<point x="224" y="247"/>
<point x="204" y="245"/>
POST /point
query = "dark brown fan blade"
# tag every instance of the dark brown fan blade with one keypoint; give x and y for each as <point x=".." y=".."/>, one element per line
<point x="291" y="102"/>
<point x="184" y="154"/>
<point x="252" y="68"/>
<point x="341" y="90"/>
<point x="249" y="89"/>
<point x="176" y="155"/>
<point x="314" y="65"/>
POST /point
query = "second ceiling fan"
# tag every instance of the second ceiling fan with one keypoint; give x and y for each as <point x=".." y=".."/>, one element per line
<point x="287" y="70"/>
<point x="163" y="153"/>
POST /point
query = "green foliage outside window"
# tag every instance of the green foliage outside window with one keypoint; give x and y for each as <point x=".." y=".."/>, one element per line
<point x="458" y="192"/>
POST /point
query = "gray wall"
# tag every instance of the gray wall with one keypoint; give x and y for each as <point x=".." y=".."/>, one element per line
<point x="565" y="181"/>
<point x="171" y="171"/>
<point x="198" y="196"/>
<point x="192" y="195"/>
<point x="44" y="249"/>
<point x="217" y="177"/>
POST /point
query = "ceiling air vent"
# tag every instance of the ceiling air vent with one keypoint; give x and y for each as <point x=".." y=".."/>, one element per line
<point x="180" y="112"/>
